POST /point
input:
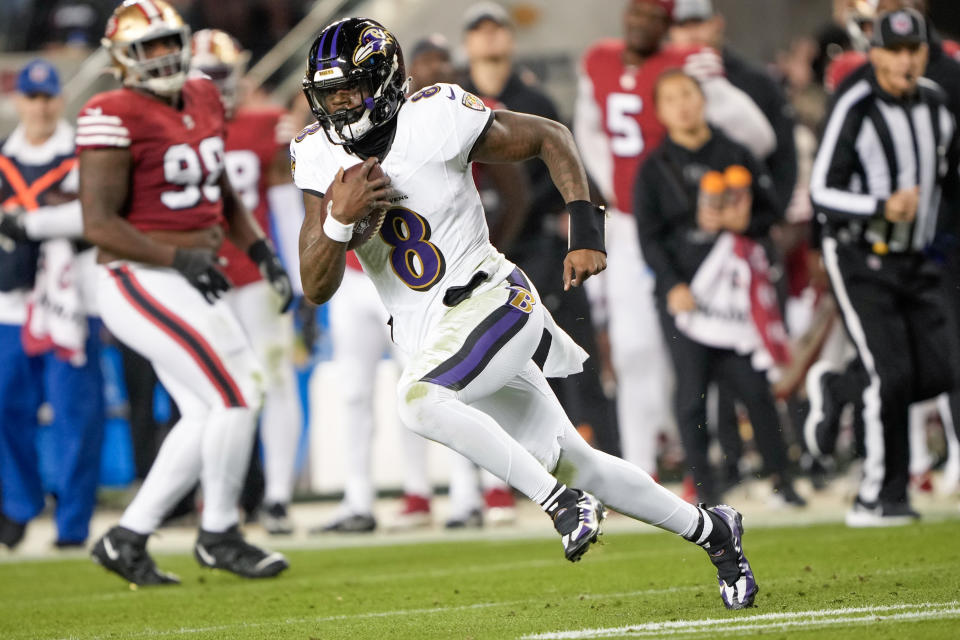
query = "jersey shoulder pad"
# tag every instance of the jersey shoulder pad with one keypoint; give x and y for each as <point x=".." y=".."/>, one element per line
<point x="105" y="120"/>
<point x="312" y="161"/>
<point x="307" y="131"/>
<point x="436" y="100"/>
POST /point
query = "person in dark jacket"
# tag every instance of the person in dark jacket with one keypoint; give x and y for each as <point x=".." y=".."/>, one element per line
<point x="680" y="231"/>
<point x="697" y="23"/>
<point x="492" y="75"/>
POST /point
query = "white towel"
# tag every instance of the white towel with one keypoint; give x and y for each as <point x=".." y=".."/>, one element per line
<point x="55" y="315"/>
<point x="722" y="319"/>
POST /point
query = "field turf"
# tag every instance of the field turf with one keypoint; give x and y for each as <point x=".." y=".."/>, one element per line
<point x="821" y="581"/>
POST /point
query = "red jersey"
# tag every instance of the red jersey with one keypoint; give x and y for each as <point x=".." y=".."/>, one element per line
<point x="177" y="153"/>
<point x="952" y="49"/>
<point x="624" y="96"/>
<point x="253" y="138"/>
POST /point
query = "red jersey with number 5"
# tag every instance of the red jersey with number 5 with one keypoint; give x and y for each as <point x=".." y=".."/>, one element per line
<point x="177" y="154"/>
<point x="253" y="138"/>
<point x="624" y="96"/>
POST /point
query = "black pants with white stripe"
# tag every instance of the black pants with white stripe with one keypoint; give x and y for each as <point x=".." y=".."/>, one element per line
<point x="894" y="311"/>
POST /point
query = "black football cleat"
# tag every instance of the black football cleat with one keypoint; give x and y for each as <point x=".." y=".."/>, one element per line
<point x="124" y="552"/>
<point x="738" y="588"/>
<point x="579" y="525"/>
<point x="356" y="523"/>
<point x="230" y="552"/>
<point x="276" y="520"/>
<point x="11" y="532"/>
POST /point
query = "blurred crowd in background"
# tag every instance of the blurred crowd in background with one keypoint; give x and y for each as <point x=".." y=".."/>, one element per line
<point x="643" y="396"/>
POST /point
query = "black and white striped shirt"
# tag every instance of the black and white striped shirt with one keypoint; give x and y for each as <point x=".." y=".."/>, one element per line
<point x="874" y="145"/>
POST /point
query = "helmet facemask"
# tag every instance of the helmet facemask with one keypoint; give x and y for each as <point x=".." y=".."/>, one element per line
<point x="346" y="124"/>
<point x="163" y="75"/>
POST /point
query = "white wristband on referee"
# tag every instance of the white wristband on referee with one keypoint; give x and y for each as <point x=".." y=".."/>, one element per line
<point x="335" y="230"/>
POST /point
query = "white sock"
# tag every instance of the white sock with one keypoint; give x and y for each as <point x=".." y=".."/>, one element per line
<point x="280" y="427"/>
<point x="227" y="442"/>
<point x="358" y="445"/>
<point x="416" y="482"/>
<point x="464" y="486"/>
<point x="175" y="471"/>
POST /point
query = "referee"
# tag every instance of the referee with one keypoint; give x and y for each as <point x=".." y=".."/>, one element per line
<point x="886" y="166"/>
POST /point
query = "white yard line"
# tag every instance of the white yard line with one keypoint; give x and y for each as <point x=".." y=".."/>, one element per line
<point x="766" y="621"/>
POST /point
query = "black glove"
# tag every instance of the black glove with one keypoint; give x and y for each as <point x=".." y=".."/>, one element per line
<point x="270" y="268"/>
<point x="199" y="267"/>
<point x="12" y="226"/>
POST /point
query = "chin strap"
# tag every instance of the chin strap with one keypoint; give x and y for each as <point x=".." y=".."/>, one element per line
<point x="377" y="142"/>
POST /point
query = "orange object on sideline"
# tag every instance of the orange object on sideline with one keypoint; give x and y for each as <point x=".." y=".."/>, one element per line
<point x="712" y="188"/>
<point x="736" y="177"/>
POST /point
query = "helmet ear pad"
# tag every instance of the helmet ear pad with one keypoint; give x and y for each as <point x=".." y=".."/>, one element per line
<point x="361" y="50"/>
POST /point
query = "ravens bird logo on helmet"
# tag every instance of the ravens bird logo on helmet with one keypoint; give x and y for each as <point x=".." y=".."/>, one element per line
<point x="360" y="56"/>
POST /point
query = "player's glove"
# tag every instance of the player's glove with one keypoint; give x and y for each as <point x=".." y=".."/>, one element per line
<point x="199" y="267"/>
<point x="270" y="268"/>
<point x="11" y="226"/>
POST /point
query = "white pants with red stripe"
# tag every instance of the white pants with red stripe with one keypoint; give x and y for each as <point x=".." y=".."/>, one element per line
<point x="271" y="334"/>
<point x="202" y="356"/>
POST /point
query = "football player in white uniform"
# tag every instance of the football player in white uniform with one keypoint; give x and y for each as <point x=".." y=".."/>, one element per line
<point x="468" y="321"/>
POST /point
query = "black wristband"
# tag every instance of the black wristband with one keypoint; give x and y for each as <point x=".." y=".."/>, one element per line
<point x="260" y="251"/>
<point x="586" y="226"/>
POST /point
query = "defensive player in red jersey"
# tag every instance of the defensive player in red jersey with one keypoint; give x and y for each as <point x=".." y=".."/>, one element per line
<point x="616" y="127"/>
<point x="154" y="198"/>
<point x="257" y="165"/>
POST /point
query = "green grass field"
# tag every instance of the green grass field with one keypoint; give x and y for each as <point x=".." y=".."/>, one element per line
<point x="816" y="582"/>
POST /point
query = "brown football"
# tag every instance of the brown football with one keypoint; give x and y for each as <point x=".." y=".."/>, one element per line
<point x="367" y="227"/>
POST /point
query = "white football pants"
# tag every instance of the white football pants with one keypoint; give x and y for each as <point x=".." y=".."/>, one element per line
<point x="483" y="396"/>
<point x="203" y="357"/>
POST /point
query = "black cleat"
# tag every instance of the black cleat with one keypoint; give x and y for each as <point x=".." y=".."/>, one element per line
<point x="738" y="587"/>
<point x="357" y="523"/>
<point x="275" y="519"/>
<point x="880" y="514"/>
<point x="471" y="520"/>
<point x="124" y="552"/>
<point x="11" y="532"/>
<point x="579" y="525"/>
<point x="784" y="492"/>
<point x="230" y="552"/>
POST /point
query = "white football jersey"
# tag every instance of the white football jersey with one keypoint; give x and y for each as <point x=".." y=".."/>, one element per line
<point x="435" y="235"/>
